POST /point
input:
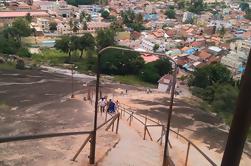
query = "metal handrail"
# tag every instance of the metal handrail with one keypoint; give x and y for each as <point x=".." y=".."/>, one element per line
<point x="39" y="136"/>
<point x="62" y="134"/>
<point x="158" y="124"/>
<point x="48" y="135"/>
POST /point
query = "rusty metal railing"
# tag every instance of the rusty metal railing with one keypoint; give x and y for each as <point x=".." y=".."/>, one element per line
<point x="124" y="109"/>
<point x="89" y="138"/>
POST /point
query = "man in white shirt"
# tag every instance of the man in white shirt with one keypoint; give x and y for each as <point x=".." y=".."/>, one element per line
<point x="102" y="103"/>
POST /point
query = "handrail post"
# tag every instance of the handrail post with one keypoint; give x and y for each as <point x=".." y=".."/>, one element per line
<point x="178" y="133"/>
<point x="162" y="130"/>
<point x="113" y="126"/>
<point x="117" y="128"/>
<point x="91" y="156"/>
<point x="145" y="128"/>
<point x="130" y="122"/>
<point x="144" y="132"/>
<point x="105" y="115"/>
<point x="81" y="148"/>
<point x="188" y="148"/>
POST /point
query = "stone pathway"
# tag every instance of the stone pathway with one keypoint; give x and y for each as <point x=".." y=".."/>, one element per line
<point x="132" y="150"/>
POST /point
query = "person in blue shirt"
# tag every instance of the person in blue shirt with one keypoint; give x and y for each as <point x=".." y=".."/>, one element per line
<point x="111" y="106"/>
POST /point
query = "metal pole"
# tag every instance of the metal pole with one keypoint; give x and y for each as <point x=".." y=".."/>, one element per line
<point x="72" y="95"/>
<point x="93" y="141"/>
<point x="165" y="157"/>
<point x="162" y="131"/>
<point x="188" y="148"/>
<point x="117" y="128"/>
<point x="241" y="121"/>
<point x="172" y="90"/>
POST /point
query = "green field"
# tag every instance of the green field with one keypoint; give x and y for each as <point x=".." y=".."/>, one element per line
<point x="132" y="80"/>
<point x="7" y="66"/>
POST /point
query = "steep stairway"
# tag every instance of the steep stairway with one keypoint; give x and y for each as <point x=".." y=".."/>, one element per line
<point x="132" y="150"/>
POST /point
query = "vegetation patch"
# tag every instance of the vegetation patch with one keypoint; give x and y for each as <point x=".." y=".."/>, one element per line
<point x="7" y="66"/>
<point x="132" y="80"/>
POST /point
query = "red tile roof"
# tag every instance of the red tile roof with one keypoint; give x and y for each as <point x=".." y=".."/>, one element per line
<point x="198" y="43"/>
<point x="23" y="14"/>
<point x="181" y="62"/>
<point x="159" y="33"/>
<point x="204" y="55"/>
<point x="149" y="58"/>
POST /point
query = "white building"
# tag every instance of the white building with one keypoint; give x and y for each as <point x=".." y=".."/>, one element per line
<point x="238" y="55"/>
<point x="149" y="43"/>
<point x="241" y="46"/>
<point x="63" y="28"/>
<point x="94" y="26"/>
<point x="233" y="61"/>
<point x="43" y="24"/>
<point x="188" y="17"/>
<point x="214" y="50"/>
<point x="165" y="83"/>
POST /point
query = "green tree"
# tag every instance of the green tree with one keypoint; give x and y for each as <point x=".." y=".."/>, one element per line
<point x="225" y="98"/>
<point x="116" y="61"/>
<point x="8" y="45"/>
<point x="117" y="25"/>
<point x="132" y="20"/>
<point x="105" y="38"/>
<point x="73" y="43"/>
<point x="155" y="47"/>
<point x="86" y="42"/>
<point x="244" y="6"/>
<point x="22" y="26"/>
<point x="181" y="4"/>
<point x="210" y="74"/>
<point x="196" y="6"/>
<point x="84" y="17"/>
<point x="91" y="61"/>
<point x="24" y="52"/>
<point x="163" y="66"/>
<point x="248" y="14"/>
<point x="139" y="18"/>
<point x="28" y="17"/>
<point x="128" y="16"/>
<point x="149" y="74"/>
<point x="53" y="26"/>
<point x="105" y="14"/>
<point x="81" y="2"/>
<point x="170" y="13"/>
<point x="153" y="71"/>
<point x="63" y="44"/>
<point x="12" y="33"/>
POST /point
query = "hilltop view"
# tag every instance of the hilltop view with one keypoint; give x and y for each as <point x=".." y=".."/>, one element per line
<point x="125" y="82"/>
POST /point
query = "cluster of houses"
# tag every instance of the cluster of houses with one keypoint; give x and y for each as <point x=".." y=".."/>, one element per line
<point x="192" y="40"/>
<point x="45" y="12"/>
